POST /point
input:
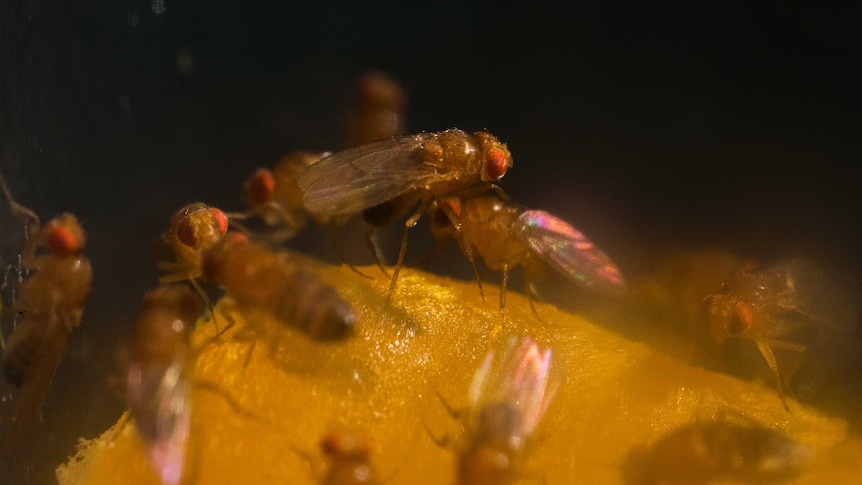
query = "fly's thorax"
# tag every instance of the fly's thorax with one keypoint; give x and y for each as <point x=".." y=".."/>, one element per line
<point x="456" y="154"/>
<point x="498" y="423"/>
<point x="349" y="459"/>
<point x="60" y="287"/>
<point x="251" y="274"/>
<point x="483" y="463"/>
<point x="487" y="224"/>
<point x="159" y="338"/>
<point x="164" y="327"/>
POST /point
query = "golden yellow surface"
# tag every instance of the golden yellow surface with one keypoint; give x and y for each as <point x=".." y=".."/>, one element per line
<point x="261" y="423"/>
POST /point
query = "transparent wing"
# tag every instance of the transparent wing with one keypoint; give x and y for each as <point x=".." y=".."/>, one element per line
<point x="569" y="252"/>
<point x="356" y="179"/>
<point x="159" y="400"/>
<point x="799" y="286"/>
<point x="510" y="392"/>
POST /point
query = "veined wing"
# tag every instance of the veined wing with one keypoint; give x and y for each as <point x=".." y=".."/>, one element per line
<point x="568" y="251"/>
<point x="159" y="399"/>
<point x="356" y="179"/>
<point x="510" y="392"/>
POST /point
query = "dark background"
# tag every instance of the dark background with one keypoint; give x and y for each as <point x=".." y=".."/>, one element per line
<point x="649" y="127"/>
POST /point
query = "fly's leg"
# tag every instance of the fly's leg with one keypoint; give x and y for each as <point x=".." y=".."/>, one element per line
<point x="503" y="285"/>
<point x="444" y="441"/>
<point x="411" y="222"/>
<point x="766" y="351"/>
<point x="465" y="245"/>
<point x="799" y="349"/>
<point x="529" y="295"/>
<point x="336" y="249"/>
<point x="374" y="249"/>
<point x="206" y="299"/>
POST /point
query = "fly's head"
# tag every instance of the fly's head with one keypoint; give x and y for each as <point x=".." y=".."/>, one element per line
<point x="259" y="189"/>
<point x="199" y="226"/>
<point x="495" y="157"/>
<point x="726" y="316"/>
<point x="63" y="236"/>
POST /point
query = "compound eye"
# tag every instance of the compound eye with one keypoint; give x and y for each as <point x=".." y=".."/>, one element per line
<point x="220" y="220"/>
<point x="235" y="237"/>
<point x="260" y="187"/>
<point x="186" y="233"/>
<point x="741" y="319"/>
<point x="495" y="165"/>
<point x="62" y="241"/>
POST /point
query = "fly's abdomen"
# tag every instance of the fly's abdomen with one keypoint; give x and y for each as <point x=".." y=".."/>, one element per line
<point x="315" y="308"/>
<point x="19" y="353"/>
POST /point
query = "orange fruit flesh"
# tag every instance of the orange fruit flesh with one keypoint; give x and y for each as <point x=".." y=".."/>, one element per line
<point x="264" y="395"/>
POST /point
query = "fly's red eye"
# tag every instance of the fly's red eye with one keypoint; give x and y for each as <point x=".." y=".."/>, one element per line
<point x="220" y="220"/>
<point x="496" y="164"/>
<point x="236" y="237"/>
<point x="186" y="233"/>
<point x="62" y="241"/>
<point x="741" y="319"/>
<point x="260" y="187"/>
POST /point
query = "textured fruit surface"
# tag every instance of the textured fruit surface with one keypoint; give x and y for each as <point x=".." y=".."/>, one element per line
<point x="264" y="395"/>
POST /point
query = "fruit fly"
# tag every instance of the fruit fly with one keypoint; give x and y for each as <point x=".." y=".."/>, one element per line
<point x="769" y="307"/>
<point x="377" y="109"/>
<point x="192" y="229"/>
<point x="349" y="463"/>
<point x="157" y="382"/>
<point x="704" y="452"/>
<point x="506" y="235"/>
<point x="508" y="398"/>
<point x="255" y="277"/>
<point x="51" y="301"/>
<point x="385" y="179"/>
<point x="274" y="196"/>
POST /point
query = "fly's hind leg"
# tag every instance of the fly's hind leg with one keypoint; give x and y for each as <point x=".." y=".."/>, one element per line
<point x="765" y="346"/>
<point x="374" y="249"/>
<point x="411" y="222"/>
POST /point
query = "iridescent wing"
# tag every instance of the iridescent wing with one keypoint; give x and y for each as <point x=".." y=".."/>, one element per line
<point x="159" y="400"/>
<point x="569" y="252"/>
<point x="511" y="393"/>
<point x="356" y="179"/>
